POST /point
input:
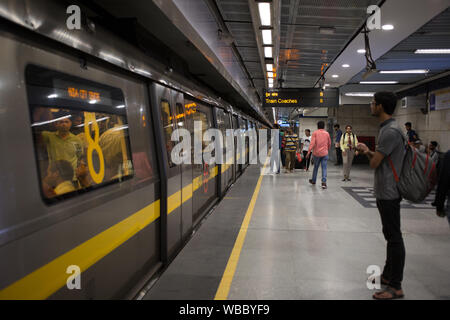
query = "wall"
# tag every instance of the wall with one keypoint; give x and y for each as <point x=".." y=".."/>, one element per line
<point x="433" y="126"/>
<point x="358" y="116"/>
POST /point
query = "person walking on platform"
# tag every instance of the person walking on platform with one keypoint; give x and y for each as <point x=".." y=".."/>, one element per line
<point x="412" y="135"/>
<point x="348" y="144"/>
<point x="306" y="141"/>
<point x="320" y="145"/>
<point x="291" y="146"/>
<point x="390" y="151"/>
<point x="443" y="188"/>
<point x="338" y="131"/>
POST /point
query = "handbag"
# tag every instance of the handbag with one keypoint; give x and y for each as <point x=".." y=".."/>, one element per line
<point x="299" y="156"/>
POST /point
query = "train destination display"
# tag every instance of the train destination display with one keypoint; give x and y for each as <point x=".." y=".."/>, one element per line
<point x="307" y="98"/>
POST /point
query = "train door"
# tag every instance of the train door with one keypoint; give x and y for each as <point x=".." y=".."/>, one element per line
<point x="171" y="233"/>
<point x="243" y="128"/>
<point x="223" y="122"/>
<point x="204" y="183"/>
<point x="182" y="112"/>
<point x="237" y="154"/>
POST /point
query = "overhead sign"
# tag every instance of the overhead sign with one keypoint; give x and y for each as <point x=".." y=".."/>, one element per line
<point x="305" y="98"/>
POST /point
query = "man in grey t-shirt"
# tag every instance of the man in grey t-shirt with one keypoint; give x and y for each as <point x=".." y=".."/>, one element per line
<point x="389" y="152"/>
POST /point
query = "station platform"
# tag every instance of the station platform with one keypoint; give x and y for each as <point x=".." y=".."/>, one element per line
<point x="276" y="237"/>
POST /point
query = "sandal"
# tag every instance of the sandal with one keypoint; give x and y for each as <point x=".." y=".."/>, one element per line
<point x="391" y="291"/>
<point x="383" y="281"/>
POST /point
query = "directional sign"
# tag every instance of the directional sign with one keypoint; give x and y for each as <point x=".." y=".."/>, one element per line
<point x="305" y="98"/>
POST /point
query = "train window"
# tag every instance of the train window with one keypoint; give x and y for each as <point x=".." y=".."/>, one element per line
<point x="181" y="116"/>
<point x="168" y="126"/>
<point x="80" y="132"/>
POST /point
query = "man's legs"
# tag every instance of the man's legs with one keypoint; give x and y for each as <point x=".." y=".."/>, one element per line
<point x="324" y="161"/>
<point x="395" y="255"/>
<point x="338" y="156"/>
<point x="316" y="168"/>
<point x="306" y="160"/>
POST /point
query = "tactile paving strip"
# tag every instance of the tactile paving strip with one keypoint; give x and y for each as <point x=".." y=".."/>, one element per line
<point x="366" y="197"/>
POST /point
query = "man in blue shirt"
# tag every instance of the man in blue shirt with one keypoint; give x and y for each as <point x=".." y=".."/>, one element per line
<point x="338" y="144"/>
<point x="412" y="135"/>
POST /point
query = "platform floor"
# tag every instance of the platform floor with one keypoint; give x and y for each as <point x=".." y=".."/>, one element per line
<point x="303" y="242"/>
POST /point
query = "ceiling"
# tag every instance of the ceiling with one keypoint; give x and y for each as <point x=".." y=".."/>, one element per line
<point x="433" y="35"/>
<point x="303" y="49"/>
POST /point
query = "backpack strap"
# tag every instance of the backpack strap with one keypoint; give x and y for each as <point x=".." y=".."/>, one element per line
<point x="393" y="169"/>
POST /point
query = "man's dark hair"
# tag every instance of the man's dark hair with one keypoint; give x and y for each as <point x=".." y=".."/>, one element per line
<point x="64" y="168"/>
<point x="337" y="125"/>
<point x="308" y="130"/>
<point x="434" y="143"/>
<point x="321" y="125"/>
<point x="388" y="101"/>
<point x="408" y="124"/>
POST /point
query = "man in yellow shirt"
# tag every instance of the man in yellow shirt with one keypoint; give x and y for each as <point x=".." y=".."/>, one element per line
<point x="62" y="144"/>
<point x="349" y="141"/>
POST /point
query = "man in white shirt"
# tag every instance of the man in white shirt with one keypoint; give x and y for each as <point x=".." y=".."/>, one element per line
<point x="305" y="142"/>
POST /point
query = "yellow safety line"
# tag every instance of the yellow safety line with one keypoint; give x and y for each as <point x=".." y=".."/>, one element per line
<point x="227" y="278"/>
<point x="51" y="277"/>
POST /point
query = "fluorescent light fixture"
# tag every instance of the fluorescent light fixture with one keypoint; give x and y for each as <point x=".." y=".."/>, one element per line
<point x="270" y="80"/>
<point x="53" y="96"/>
<point x="267" y="36"/>
<point x="264" y="13"/>
<point x="270" y="85"/>
<point x="345" y="66"/>
<point x="405" y="71"/>
<point x="432" y="51"/>
<point x="270" y="74"/>
<point x="361" y="51"/>
<point x="50" y="121"/>
<point x="388" y="27"/>
<point x="268" y="53"/>
<point x="335" y="76"/>
<point x="327" y="85"/>
<point x="378" y="82"/>
<point x="360" y="94"/>
<point x="269" y="67"/>
<point x="121" y="106"/>
<point x="93" y="101"/>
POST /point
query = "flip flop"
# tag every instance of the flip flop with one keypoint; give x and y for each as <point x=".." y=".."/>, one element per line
<point x="389" y="290"/>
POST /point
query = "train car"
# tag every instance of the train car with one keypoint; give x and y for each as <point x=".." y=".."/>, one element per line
<point x="88" y="183"/>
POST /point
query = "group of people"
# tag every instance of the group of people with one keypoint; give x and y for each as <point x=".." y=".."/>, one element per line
<point x="390" y="151"/>
<point x="62" y="150"/>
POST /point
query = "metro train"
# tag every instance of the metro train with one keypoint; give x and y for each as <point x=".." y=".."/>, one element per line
<point x="91" y="205"/>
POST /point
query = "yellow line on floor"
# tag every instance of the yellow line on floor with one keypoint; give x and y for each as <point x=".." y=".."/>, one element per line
<point x="227" y="278"/>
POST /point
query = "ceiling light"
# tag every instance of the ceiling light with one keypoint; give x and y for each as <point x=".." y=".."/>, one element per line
<point x="388" y="27"/>
<point x="270" y="85"/>
<point x="269" y="67"/>
<point x="264" y="13"/>
<point x="327" y="30"/>
<point x="270" y="74"/>
<point x="335" y="76"/>
<point x="361" y="50"/>
<point x="53" y="96"/>
<point x="267" y="36"/>
<point x="360" y="94"/>
<point x="405" y="71"/>
<point x="121" y="106"/>
<point x="432" y="51"/>
<point x="268" y="52"/>
<point x="270" y="81"/>
<point x="378" y="82"/>
<point x="345" y="66"/>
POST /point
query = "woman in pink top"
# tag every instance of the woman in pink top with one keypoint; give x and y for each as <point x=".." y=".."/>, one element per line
<point x="320" y="144"/>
